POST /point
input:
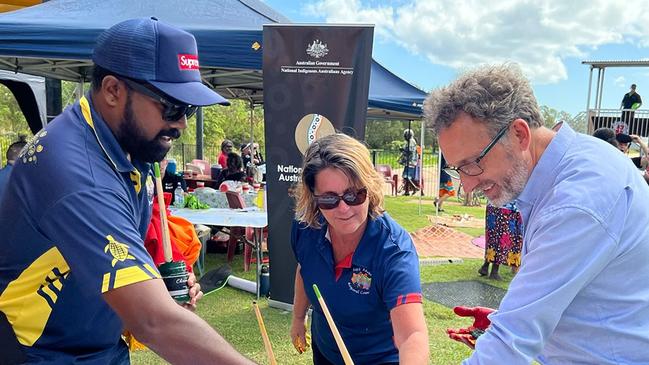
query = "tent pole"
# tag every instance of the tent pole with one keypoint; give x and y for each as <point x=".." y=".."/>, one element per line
<point x="590" y="86"/>
<point x="439" y="174"/>
<point x="252" y="131"/>
<point x="199" y="133"/>
<point x="79" y="89"/>
<point x="421" y="165"/>
<point x="601" y="90"/>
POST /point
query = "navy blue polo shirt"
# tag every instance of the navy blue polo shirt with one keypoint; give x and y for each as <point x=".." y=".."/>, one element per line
<point x="73" y="220"/>
<point x="384" y="273"/>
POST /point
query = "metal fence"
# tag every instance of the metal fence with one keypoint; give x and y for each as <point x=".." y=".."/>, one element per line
<point x="184" y="153"/>
<point x="428" y="167"/>
<point x="637" y="121"/>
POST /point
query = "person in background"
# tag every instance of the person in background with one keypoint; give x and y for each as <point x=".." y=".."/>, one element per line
<point x="503" y="239"/>
<point x="622" y="141"/>
<point x="74" y="218"/>
<point x="259" y="173"/>
<point x="256" y="154"/>
<point x="408" y="159"/>
<point x="446" y="188"/>
<point x="581" y="293"/>
<point x="630" y="102"/>
<point x="171" y="179"/>
<point x="233" y="170"/>
<point x="226" y="147"/>
<point x="251" y="160"/>
<point x="607" y="135"/>
<point x="12" y="154"/>
<point x="364" y="263"/>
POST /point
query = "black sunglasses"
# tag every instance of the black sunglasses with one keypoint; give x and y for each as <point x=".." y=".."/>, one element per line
<point x="351" y="197"/>
<point x="171" y="112"/>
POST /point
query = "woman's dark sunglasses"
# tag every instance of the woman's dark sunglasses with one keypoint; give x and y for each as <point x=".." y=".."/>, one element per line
<point x="171" y="112"/>
<point x="330" y="200"/>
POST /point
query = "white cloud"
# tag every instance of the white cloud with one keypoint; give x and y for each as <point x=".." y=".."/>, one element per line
<point x="620" y="81"/>
<point x="538" y="34"/>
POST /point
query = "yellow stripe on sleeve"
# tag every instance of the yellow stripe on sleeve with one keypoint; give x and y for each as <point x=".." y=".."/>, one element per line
<point x="153" y="271"/>
<point x="105" y="282"/>
<point x="130" y="275"/>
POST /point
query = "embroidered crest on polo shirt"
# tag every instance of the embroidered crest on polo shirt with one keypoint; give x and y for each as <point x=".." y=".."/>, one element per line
<point x="188" y="62"/>
<point x="29" y="153"/>
<point x="360" y="281"/>
<point x="118" y="250"/>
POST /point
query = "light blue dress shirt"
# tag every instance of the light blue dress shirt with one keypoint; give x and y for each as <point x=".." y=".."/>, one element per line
<point x="582" y="293"/>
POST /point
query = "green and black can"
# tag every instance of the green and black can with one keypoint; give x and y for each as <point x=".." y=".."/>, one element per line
<point x="175" y="276"/>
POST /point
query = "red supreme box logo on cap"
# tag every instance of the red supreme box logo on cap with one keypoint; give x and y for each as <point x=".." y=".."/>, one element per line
<point x="188" y="62"/>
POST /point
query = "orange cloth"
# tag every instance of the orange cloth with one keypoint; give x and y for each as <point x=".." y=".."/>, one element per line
<point x="185" y="245"/>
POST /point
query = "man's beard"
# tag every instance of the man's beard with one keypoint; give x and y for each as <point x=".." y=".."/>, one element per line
<point x="513" y="184"/>
<point x="132" y="138"/>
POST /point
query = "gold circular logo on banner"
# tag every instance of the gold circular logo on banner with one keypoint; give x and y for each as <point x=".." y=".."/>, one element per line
<point x="310" y="128"/>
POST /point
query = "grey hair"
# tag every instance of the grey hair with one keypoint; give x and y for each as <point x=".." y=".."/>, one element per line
<point x="495" y="95"/>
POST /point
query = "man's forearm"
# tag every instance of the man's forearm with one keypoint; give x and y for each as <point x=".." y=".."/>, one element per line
<point x="176" y="341"/>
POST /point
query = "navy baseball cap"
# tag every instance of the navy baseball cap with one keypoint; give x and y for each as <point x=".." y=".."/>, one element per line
<point x="159" y="54"/>
<point x="623" y="138"/>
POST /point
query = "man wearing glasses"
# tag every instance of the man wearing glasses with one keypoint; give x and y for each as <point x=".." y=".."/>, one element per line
<point x="581" y="295"/>
<point x="78" y="206"/>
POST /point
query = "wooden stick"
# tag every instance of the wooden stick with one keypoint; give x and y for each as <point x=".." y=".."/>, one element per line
<point x="339" y="340"/>
<point x="264" y="335"/>
<point x="166" y="241"/>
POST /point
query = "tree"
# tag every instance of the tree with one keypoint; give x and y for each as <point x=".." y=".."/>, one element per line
<point x="388" y="134"/>
<point x="552" y="116"/>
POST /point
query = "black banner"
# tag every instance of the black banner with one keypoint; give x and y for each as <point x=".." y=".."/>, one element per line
<point x="316" y="81"/>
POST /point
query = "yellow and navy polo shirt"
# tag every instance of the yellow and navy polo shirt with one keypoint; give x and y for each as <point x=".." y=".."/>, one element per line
<point x="73" y="220"/>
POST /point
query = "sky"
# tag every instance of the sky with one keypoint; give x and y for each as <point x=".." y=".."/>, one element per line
<point x="430" y="42"/>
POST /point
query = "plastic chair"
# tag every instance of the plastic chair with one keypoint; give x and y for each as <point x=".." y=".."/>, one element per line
<point x="388" y="177"/>
<point x="193" y="168"/>
<point x="204" y="165"/>
<point x="243" y="234"/>
<point x="203" y="233"/>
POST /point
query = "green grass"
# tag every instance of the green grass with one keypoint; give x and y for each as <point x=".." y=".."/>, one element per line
<point x="230" y="311"/>
<point x="406" y="211"/>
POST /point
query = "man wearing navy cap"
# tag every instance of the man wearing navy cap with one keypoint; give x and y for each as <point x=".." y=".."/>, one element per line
<point x="74" y="217"/>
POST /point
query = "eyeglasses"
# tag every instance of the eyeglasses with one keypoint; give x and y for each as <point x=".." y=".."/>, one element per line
<point x="473" y="168"/>
<point x="330" y="200"/>
<point x="171" y="112"/>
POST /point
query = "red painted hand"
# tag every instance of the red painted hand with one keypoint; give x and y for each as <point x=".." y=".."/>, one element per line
<point x="481" y="322"/>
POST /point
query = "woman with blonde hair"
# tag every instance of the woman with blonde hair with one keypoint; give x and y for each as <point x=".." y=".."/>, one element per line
<point x="363" y="262"/>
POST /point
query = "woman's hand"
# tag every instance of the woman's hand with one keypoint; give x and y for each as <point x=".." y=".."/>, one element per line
<point x="299" y="337"/>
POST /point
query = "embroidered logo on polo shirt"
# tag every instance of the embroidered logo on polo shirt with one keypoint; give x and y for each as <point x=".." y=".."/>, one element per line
<point x="29" y="152"/>
<point x="118" y="250"/>
<point x="188" y="62"/>
<point x="361" y="280"/>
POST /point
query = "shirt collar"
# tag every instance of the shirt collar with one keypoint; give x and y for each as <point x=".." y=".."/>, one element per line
<point x="546" y="170"/>
<point x="361" y="254"/>
<point x="104" y="135"/>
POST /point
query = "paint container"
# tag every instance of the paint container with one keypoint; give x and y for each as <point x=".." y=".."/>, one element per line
<point x="175" y="276"/>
